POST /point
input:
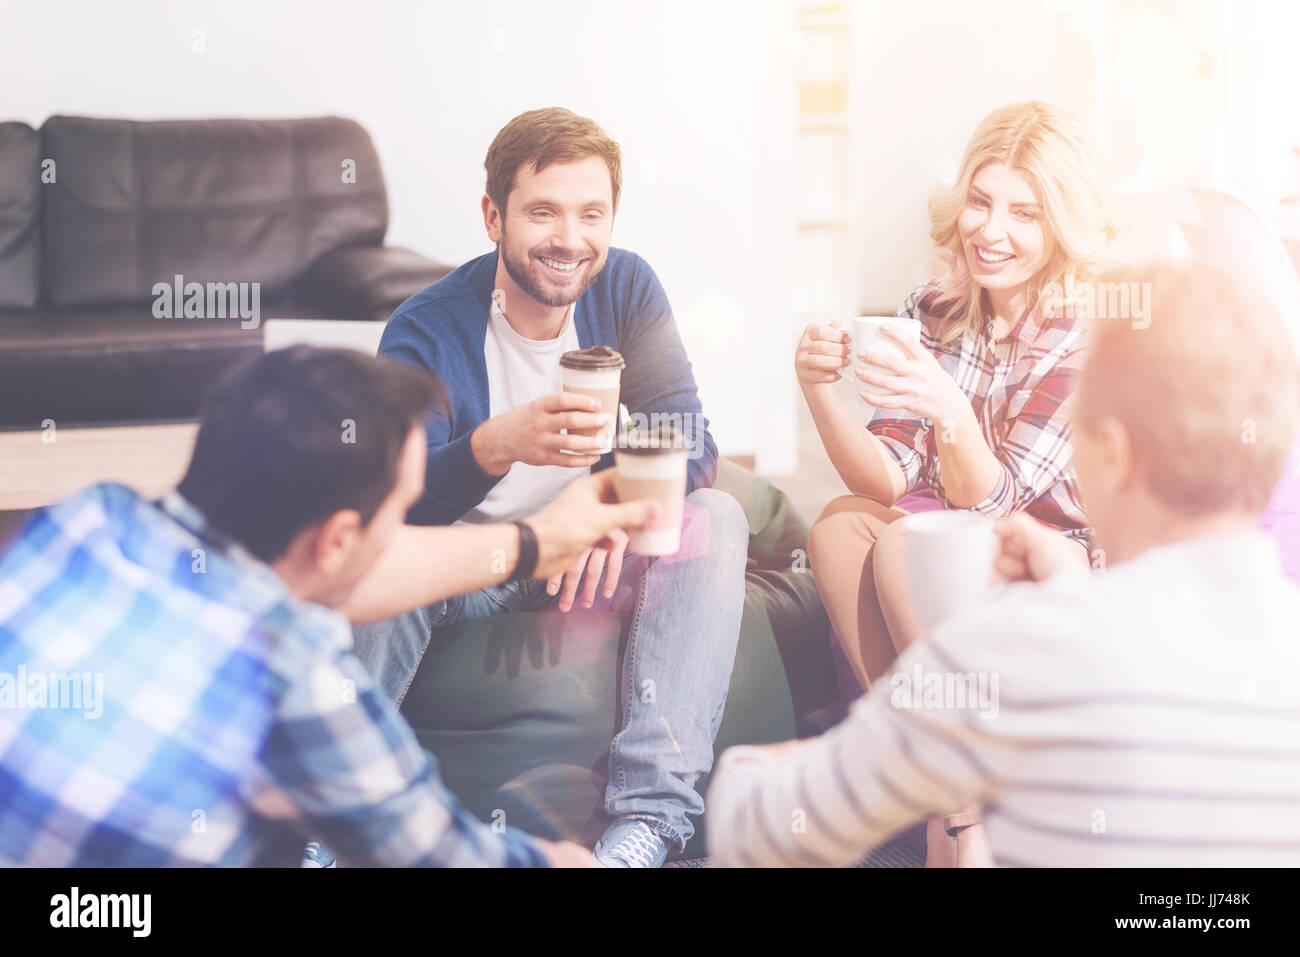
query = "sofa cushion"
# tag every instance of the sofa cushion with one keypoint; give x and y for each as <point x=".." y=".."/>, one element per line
<point x="138" y="203"/>
<point x="84" y="367"/>
<point x="20" y="204"/>
<point x="369" y="282"/>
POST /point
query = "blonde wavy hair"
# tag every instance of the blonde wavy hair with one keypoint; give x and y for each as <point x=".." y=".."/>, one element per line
<point x="1049" y="147"/>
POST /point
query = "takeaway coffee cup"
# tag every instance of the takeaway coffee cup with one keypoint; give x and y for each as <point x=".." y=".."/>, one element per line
<point x="596" y="371"/>
<point x="950" y="556"/>
<point x="867" y="335"/>
<point x="651" y="464"/>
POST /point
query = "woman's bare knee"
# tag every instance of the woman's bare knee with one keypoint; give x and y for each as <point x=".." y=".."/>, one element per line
<point x="891" y="550"/>
<point x="836" y="528"/>
<point x="892" y="586"/>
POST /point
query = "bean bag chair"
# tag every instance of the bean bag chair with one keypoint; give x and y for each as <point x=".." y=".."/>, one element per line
<point x="519" y="709"/>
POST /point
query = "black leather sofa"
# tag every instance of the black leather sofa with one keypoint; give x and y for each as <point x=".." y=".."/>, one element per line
<point x="98" y="215"/>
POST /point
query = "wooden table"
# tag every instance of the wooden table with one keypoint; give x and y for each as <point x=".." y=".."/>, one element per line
<point x="36" y="471"/>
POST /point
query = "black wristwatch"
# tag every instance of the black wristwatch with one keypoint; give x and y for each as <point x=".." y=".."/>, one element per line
<point x="527" y="563"/>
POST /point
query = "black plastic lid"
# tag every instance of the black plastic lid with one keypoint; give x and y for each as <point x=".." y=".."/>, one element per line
<point x="594" y="357"/>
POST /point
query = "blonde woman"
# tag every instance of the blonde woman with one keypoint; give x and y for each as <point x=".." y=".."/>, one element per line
<point x="976" y="416"/>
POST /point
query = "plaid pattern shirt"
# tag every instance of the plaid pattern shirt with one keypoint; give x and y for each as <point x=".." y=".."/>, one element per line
<point x="166" y="700"/>
<point x="1020" y="387"/>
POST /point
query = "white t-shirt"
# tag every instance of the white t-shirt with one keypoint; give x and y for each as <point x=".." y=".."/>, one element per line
<point x="520" y="370"/>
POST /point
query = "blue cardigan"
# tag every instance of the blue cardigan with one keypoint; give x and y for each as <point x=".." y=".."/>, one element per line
<point x="443" y="329"/>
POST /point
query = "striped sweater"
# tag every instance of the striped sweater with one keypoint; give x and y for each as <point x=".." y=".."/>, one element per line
<point x="1145" y="715"/>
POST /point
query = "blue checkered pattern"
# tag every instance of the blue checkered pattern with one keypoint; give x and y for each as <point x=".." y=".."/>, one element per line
<point x="231" y="721"/>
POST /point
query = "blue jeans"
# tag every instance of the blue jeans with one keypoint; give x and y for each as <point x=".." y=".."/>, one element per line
<point x="683" y="614"/>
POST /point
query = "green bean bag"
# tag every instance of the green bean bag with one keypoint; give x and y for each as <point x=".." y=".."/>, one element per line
<point x="519" y="709"/>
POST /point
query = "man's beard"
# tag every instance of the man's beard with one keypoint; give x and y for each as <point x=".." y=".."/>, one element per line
<point x="517" y="269"/>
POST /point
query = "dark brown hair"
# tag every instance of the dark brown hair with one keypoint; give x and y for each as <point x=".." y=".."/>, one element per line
<point x="272" y="456"/>
<point x="539" y="138"/>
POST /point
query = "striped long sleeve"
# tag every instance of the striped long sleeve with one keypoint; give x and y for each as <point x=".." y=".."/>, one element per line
<point x="894" y="761"/>
<point x="1141" y="716"/>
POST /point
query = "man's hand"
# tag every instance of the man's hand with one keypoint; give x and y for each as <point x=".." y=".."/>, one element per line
<point x="1030" y="551"/>
<point x="583" y="518"/>
<point x="593" y="560"/>
<point x="531" y="433"/>
<point x="566" y="854"/>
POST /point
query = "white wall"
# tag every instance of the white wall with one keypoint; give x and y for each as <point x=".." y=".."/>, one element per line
<point x="680" y="84"/>
<point x="700" y="94"/>
<point x="1175" y="93"/>
<point x="930" y="72"/>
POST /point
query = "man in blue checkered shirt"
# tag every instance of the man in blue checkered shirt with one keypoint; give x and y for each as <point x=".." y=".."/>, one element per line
<point x="176" y="685"/>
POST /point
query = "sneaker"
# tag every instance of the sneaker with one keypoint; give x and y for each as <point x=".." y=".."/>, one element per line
<point x="317" y="854"/>
<point x="631" y="844"/>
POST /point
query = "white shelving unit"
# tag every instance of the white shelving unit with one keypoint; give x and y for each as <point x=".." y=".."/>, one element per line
<point x="809" y="191"/>
<point x="826" y="286"/>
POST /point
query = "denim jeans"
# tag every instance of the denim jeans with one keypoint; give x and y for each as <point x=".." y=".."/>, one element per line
<point x="683" y="616"/>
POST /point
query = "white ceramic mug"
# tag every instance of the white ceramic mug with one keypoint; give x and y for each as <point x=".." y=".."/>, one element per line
<point x="867" y="335"/>
<point x="950" y="560"/>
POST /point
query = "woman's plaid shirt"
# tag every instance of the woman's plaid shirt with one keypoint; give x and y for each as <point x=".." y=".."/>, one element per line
<point x="1021" y="389"/>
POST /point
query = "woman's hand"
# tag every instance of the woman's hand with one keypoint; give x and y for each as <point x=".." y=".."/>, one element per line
<point x="822" y="352"/>
<point x="916" y="383"/>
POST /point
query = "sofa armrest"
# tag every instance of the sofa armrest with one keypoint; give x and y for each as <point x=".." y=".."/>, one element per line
<point x="369" y="282"/>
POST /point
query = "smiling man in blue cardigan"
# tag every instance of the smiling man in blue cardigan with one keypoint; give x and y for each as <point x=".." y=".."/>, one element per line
<point x="494" y="331"/>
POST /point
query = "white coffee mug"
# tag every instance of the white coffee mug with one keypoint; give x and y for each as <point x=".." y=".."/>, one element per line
<point x="867" y="335"/>
<point x="950" y="558"/>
